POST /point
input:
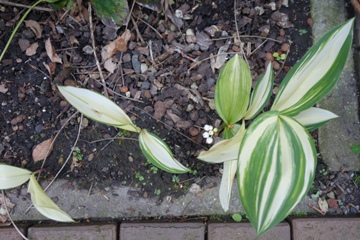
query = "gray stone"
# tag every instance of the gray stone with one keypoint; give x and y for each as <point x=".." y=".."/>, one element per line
<point x="73" y="232"/>
<point x="161" y="231"/>
<point x="336" y="137"/>
<point x="325" y="228"/>
<point x="245" y="231"/>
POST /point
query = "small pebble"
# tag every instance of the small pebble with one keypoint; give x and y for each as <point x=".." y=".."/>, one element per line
<point x="276" y="65"/>
<point x="285" y="47"/>
<point x="193" y="131"/>
<point x="88" y="50"/>
<point x="131" y="159"/>
<point x="281" y="32"/>
<point x="269" y="56"/>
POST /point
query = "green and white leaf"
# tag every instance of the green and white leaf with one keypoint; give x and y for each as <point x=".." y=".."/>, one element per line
<point x="117" y="10"/>
<point x="44" y="204"/>
<point x="11" y="177"/>
<point x="261" y="93"/>
<point x="227" y="180"/>
<point x="225" y="150"/>
<point x="316" y="73"/>
<point x="97" y="107"/>
<point x="277" y="161"/>
<point x="314" y="118"/>
<point x="233" y="90"/>
<point x="159" y="154"/>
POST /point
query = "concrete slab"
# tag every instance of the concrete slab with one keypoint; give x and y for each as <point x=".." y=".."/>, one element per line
<point x="117" y="203"/>
<point x="74" y="232"/>
<point x="245" y="231"/>
<point x="336" y="137"/>
<point x="326" y="228"/>
<point x="162" y="231"/>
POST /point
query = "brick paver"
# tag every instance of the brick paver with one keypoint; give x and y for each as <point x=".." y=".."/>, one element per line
<point x="162" y="231"/>
<point x="10" y="233"/>
<point x="326" y="228"/>
<point x="244" y="231"/>
<point x="73" y="232"/>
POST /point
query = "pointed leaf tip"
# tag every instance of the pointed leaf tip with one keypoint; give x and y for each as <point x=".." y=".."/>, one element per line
<point x="44" y="204"/>
<point x="158" y="153"/>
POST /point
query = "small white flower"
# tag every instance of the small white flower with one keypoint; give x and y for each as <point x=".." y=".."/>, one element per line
<point x="215" y="130"/>
<point x="209" y="140"/>
<point x="211" y="132"/>
<point x="207" y="127"/>
<point x="206" y="135"/>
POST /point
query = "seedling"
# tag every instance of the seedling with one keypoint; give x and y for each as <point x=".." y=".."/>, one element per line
<point x="157" y="192"/>
<point x="302" y="31"/>
<point x="138" y="176"/>
<point x="323" y="171"/>
<point x="175" y="179"/>
<point x="279" y="57"/>
<point x="237" y="217"/>
<point x="77" y="153"/>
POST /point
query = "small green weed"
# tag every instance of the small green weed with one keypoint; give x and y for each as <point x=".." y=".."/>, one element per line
<point x="77" y="153"/>
<point x="278" y="56"/>
<point x="302" y="31"/>
<point x="138" y="176"/>
<point x="300" y="214"/>
<point x="157" y="192"/>
<point x="323" y="171"/>
<point x="175" y="179"/>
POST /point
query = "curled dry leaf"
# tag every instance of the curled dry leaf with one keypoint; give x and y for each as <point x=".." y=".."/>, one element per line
<point x="8" y="204"/>
<point x="51" y="67"/>
<point x="51" y="52"/>
<point x="31" y="51"/>
<point x="34" y="26"/>
<point x="42" y="150"/>
<point x="323" y="205"/>
<point x="119" y="44"/>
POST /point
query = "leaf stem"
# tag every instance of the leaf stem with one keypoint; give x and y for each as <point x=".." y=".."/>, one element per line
<point x="17" y="27"/>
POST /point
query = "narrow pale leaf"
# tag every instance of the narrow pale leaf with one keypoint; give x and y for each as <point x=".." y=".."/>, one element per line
<point x="227" y="181"/>
<point x="316" y="73"/>
<point x="11" y="177"/>
<point x="232" y="91"/>
<point x="261" y="93"/>
<point x="97" y="107"/>
<point x="314" y="118"/>
<point x="44" y="204"/>
<point x="159" y="154"/>
<point x="50" y="50"/>
<point x="225" y="150"/>
<point x="277" y="160"/>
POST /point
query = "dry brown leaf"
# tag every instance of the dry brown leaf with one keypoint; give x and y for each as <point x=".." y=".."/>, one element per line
<point x="8" y="204"/>
<point x="119" y="44"/>
<point x="73" y="40"/>
<point x="110" y="65"/>
<point x="323" y="205"/>
<point x="34" y="26"/>
<point x="51" y="52"/>
<point x="31" y="51"/>
<point x="3" y="88"/>
<point x="51" y="68"/>
<point x="42" y="150"/>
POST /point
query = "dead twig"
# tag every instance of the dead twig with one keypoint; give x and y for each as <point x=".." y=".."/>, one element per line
<point x="25" y="6"/>
<point x="66" y="161"/>
<point x="94" y="47"/>
<point x="52" y="143"/>
<point x="7" y="212"/>
<point x="137" y="30"/>
<point x="150" y="27"/>
<point x="316" y="209"/>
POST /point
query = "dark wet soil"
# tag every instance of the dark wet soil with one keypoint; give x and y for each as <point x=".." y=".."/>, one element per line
<point x="32" y="110"/>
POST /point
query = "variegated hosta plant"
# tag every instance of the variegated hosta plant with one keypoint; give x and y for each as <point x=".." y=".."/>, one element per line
<point x="11" y="177"/>
<point x="103" y="110"/>
<point x="275" y="157"/>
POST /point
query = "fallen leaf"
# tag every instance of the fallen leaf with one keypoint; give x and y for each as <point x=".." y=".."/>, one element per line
<point x="332" y="203"/>
<point x="195" y="188"/>
<point x="42" y="150"/>
<point x="3" y="88"/>
<point x="73" y="40"/>
<point x="119" y="44"/>
<point x="3" y="212"/>
<point x="34" y="26"/>
<point x="221" y="56"/>
<point x="50" y="67"/>
<point x="31" y="51"/>
<point x="51" y="52"/>
<point x="110" y="65"/>
<point x="323" y="205"/>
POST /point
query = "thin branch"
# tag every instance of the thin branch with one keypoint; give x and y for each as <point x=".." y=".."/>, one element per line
<point x="150" y="27"/>
<point x="7" y="211"/>
<point x="94" y="47"/>
<point x="25" y="6"/>
<point x="66" y="161"/>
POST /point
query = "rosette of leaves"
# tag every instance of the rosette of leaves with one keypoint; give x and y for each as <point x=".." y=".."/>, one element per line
<point x="103" y="110"/>
<point x="275" y="157"/>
